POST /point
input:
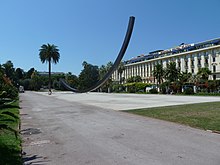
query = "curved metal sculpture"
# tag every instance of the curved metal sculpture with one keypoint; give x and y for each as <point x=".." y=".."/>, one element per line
<point x="113" y="68"/>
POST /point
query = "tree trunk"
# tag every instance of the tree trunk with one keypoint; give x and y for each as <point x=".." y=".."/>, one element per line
<point x="49" y="85"/>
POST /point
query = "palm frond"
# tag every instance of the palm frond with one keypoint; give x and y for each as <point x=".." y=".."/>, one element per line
<point x="10" y="114"/>
<point x="6" y="127"/>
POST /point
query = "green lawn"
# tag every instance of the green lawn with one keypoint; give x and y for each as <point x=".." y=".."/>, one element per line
<point x="203" y="115"/>
<point x="10" y="145"/>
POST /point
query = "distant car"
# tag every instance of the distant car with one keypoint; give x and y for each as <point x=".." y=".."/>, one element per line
<point x="21" y="89"/>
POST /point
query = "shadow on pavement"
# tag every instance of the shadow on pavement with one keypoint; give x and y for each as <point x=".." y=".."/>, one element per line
<point x="33" y="160"/>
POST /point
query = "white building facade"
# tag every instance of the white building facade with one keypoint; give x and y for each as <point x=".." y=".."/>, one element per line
<point x="188" y="58"/>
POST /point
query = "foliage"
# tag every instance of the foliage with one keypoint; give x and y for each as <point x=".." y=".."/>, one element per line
<point x="10" y="142"/>
<point x="11" y="92"/>
<point x="49" y="53"/>
<point x="25" y="83"/>
<point x="158" y="73"/>
<point x="9" y="70"/>
<point x="136" y="87"/>
<point x="106" y="87"/>
<point x="72" y="80"/>
<point x="164" y="87"/>
<point x="29" y="73"/>
<point x="171" y="72"/>
<point x="89" y="76"/>
<point x="19" y="73"/>
<point x="121" y="68"/>
<point x="188" y="91"/>
<point x="130" y="87"/>
<point x="118" y="88"/>
<point x="184" y="77"/>
<point x="140" y="87"/>
<point x="134" y="79"/>
<point x="153" y="91"/>
<point x="35" y="83"/>
<point x="204" y="73"/>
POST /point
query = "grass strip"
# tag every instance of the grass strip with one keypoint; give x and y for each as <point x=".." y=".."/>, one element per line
<point x="202" y="115"/>
<point x="10" y="145"/>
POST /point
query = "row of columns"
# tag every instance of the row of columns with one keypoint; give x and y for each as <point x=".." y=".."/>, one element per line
<point x="190" y="63"/>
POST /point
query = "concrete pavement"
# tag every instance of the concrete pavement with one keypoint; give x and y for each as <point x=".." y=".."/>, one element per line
<point x="59" y="131"/>
<point x="129" y="101"/>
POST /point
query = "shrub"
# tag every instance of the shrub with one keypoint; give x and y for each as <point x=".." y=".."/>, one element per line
<point x="153" y="91"/>
<point x="141" y="86"/>
<point x="188" y="91"/>
<point x="118" y="88"/>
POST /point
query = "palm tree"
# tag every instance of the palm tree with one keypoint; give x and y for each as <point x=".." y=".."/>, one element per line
<point x="171" y="73"/>
<point x="204" y="73"/>
<point x="184" y="77"/>
<point x="49" y="53"/>
<point x="158" y="73"/>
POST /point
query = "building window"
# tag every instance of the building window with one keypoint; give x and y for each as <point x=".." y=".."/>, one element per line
<point x="214" y="77"/>
<point x="213" y="59"/>
<point x="214" y="68"/>
<point x="192" y="62"/>
<point x="147" y="72"/>
<point x="199" y="61"/>
<point x="179" y="64"/>
<point x="192" y="70"/>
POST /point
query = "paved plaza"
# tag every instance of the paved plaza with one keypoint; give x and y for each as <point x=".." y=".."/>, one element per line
<point x="84" y="129"/>
<point x="129" y="101"/>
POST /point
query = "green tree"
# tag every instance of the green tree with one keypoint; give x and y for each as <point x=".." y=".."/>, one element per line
<point x="29" y="73"/>
<point x="204" y="73"/>
<point x="134" y="79"/>
<point x="49" y="53"/>
<point x="184" y="77"/>
<point x="19" y="73"/>
<point x="121" y="68"/>
<point x="102" y="72"/>
<point x="171" y="72"/>
<point x="72" y="80"/>
<point x="36" y="82"/>
<point x="158" y="73"/>
<point x="9" y="71"/>
<point x="89" y="76"/>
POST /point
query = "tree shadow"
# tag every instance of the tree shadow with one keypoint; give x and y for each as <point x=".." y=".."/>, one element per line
<point x="33" y="160"/>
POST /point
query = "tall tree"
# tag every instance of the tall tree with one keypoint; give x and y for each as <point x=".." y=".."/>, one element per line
<point x="184" y="77"/>
<point x="72" y="80"/>
<point x="49" y="53"/>
<point x="204" y="73"/>
<point x="19" y="73"/>
<point x="103" y="69"/>
<point x="171" y="72"/>
<point x="89" y="76"/>
<point x="9" y="70"/>
<point x="158" y="73"/>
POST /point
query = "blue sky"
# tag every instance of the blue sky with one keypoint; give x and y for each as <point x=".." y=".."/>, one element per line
<point x="93" y="30"/>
